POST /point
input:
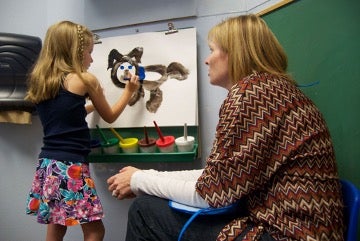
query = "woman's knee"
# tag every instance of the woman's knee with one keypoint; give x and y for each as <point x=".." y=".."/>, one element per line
<point x="139" y="205"/>
<point x="146" y="210"/>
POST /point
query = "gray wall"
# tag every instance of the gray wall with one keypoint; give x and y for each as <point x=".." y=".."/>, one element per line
<point x="19" y="144"/>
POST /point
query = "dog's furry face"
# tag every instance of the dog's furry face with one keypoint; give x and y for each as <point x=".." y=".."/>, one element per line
<point x="125" y="70"/>
<point x="123" y="65"/>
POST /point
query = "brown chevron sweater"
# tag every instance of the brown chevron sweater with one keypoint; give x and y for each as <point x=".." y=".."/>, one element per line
<point x="273" y="148"/>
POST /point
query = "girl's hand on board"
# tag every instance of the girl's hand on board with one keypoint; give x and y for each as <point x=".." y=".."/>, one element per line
<point x="133" y="84"/>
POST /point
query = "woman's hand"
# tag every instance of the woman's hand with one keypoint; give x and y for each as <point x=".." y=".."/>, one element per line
<point x="119" y="184"/>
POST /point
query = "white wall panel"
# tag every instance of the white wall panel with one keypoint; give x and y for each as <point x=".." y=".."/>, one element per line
<point x="114" y="13"/>
<point x="212" y="7"/>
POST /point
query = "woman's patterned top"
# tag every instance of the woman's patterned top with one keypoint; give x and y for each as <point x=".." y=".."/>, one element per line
<point x="273" y="148"/>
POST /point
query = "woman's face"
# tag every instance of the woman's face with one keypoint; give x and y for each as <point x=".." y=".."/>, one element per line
<point x="87" y="59"/>
<point x="218" y="66"/>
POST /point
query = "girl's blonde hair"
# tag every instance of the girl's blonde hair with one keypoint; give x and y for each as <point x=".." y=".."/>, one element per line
<point x="62" y="53"/>
<point x="250" y="45"/>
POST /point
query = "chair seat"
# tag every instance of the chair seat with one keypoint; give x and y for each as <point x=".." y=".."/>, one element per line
<point x="351" y="197"/>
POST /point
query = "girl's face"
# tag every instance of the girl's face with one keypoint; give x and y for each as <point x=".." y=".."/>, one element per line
<point x="218" y="66"/>
<point x="87" y="59"/>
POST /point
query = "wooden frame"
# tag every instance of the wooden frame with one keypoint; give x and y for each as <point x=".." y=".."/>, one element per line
<point x="274" y="7"/>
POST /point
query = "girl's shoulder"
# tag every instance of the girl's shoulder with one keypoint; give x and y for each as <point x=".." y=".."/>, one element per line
<point x="91" y="82"/>
<point x="80" y="84"/>
<point x="89" y="77"/>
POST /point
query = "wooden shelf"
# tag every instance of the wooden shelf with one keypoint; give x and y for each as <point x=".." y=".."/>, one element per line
<point x="157" y="156"/>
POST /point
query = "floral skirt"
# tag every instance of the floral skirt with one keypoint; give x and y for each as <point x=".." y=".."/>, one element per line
<point x="63" y="193"/>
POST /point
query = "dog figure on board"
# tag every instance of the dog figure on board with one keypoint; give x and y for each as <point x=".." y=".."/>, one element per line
<point x="121" y="65"/>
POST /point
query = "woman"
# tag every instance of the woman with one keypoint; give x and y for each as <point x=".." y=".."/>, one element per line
<point x="272" y="152"/>
<point x="63" y="193"/>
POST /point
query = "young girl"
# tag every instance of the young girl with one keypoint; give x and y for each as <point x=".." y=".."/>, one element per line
<point x="63" y="193"/>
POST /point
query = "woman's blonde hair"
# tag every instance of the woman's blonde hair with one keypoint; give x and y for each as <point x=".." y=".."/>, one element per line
<point x="62" y="53"/>
<point x="250" y="45"/>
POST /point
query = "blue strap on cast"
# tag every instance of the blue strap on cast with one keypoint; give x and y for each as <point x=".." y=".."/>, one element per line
<point x="198" y="211"/>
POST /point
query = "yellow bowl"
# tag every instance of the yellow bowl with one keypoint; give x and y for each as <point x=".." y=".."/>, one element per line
<point x="129" y="145"/>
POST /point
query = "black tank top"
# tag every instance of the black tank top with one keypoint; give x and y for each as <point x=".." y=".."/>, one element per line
<point x="66" y="133"/>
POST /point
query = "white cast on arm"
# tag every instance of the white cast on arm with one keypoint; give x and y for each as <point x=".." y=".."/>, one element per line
<point x="178" y="186"/>
<point x="189" y="175"/>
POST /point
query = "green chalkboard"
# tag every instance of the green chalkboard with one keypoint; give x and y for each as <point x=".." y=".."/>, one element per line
<point x="322" y="40"/>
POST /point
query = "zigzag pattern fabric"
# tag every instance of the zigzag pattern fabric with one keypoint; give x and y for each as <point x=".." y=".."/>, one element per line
<point x="273" y="148"/>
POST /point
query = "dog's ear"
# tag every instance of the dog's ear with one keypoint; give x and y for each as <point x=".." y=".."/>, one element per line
<point x="136" y="53"/>
<point x="113" y="55"/>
